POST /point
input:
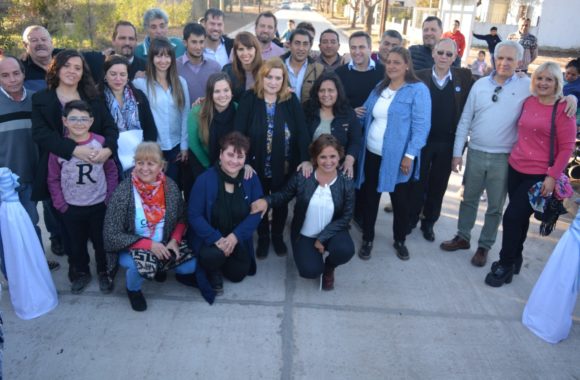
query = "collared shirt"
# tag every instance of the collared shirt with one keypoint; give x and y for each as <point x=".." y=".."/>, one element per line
<point x="219" y="55"/>
<point x="442" y="82"/>
<point x="296" y="79"/>
<point x="330" y="66"/>
<point x="171" y="121"/>
<point x="272" y="51"/>
<point x="371" y="66"/>
<point x="24" y="93"/>
<point x="196" y="75"/>
<point x="493" y="81"/>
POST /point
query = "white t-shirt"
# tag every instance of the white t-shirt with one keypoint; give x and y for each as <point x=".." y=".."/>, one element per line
<point x="378" y="126"/>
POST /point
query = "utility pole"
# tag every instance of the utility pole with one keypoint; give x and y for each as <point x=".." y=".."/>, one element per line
<point x="384" y="12"/>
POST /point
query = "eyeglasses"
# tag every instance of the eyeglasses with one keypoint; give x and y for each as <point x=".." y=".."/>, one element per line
<point x="447" y="53"/>
<point x="78" y="120"/>
<point x="497" y="90"/>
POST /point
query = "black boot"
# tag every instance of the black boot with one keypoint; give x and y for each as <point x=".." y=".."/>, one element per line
<point x="217" y="282"/>
<point x="263" y="247"/>
<point x="279" y="245"/>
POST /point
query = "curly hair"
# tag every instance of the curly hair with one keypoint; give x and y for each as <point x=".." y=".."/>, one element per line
<point x="86" y="86"/>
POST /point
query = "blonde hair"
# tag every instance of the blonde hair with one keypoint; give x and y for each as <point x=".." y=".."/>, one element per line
<point x="554" y="70"/>
<point x="273" y="63"/>
<point x="149" y="151"/>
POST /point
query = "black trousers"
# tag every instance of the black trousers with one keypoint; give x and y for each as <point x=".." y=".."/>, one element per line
<point x="279" y="214"/>
<point x="368" y="197"/>
<point x="427" y="193"/>
<point x="516" y="219"/>
<point x="401" y="201"/>
<point x="190" y="170"/>
<point x="83" y="223"/>
<point x="234" y="267"/>
<point x="309" y="260"/>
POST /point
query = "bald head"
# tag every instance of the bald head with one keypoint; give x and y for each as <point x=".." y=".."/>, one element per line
<point x="12" y="76"/>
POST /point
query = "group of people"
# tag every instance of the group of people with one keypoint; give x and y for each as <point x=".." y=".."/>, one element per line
<point x="183" y="147"/>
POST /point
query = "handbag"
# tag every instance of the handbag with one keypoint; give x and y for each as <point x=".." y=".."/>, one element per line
<point x="148" y="264"/>
<point x="554" y="207"/>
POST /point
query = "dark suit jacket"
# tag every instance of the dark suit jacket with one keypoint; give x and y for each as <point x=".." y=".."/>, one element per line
<point x="48" y="133"/>
<point x="462" y="80"/>
<point x="137" y="65"/>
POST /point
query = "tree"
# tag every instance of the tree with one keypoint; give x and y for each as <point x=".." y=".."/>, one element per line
<point x="355" y="5"/>
<point x="370" y="6"/>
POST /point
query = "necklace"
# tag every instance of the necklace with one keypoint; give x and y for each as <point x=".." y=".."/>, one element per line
<point x="388" y="94"/>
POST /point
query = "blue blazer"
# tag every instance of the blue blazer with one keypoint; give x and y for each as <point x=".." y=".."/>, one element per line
<point x="409" y="122"/>
<point x="203" y="196"/>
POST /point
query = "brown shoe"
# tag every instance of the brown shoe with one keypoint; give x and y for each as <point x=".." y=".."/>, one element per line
<point x="328" y="278"/>
<point x="455" y="244"/>
<point x="480" y="257"/>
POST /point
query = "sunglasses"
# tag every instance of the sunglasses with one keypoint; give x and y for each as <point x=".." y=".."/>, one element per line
<point x="495" y="92"/>
<point x="447" y="53"/>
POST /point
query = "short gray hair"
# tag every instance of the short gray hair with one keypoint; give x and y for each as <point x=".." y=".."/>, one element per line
<point x="154" y="14"/>
<point x="30" y="29"/>
<point x="512" y="44"/>
<point x="393" y="34"/>
<point x="447" y="40"/>
<point x="554" y="70"/>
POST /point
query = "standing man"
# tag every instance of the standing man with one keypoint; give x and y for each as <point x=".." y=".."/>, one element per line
<point x="155" y="23"/>
<point x="458" y="37"/>
<point x="492" y="40"/>
<point x="361" y="74"/>
<point x="18" y="152"/>
<point x="489" y="118"/>
<point x="265" y="29"/>
<point x="217" y="45"/>
<point x="329" y="44"/>
<point x="124" y="42"/>
<point x="391" y="38"/>
<point x="449" y="87"/>
<point x="302" y="70"/>
<point x="422" y="55"/>
<point x="192" y="66"/>
<point x="528" y="41"/>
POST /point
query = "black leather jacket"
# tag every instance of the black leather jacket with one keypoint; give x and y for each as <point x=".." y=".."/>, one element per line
<point x="303" y="188"/>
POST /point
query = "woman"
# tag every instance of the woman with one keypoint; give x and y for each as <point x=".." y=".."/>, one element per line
<point x="529" y="164"/>
<point x="169" y="100"/>
<point x="145" y="223"/>
<point x="246" y="61"/>
<point x="272" y="118"/>
<point x="219" y="215"/>
<point x="68" y="78"/>
<point x="209" y="121"/>
<point x="328" y="111"/>
<point x="324" y="207"/>
<point x="396" y="125"/>
<point x="127" y="105"/>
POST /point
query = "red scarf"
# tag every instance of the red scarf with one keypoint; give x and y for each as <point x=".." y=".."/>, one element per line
<point x="153" y="199"/>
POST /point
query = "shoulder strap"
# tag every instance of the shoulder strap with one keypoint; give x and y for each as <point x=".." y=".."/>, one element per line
<point x="553" y="133"/>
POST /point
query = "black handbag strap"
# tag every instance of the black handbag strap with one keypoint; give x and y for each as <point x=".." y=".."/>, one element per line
<point x="553" y="134"/>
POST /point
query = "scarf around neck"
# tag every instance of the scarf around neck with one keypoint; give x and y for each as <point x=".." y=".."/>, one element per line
<point x="126" y="116"/>
<point x="153" y="199"/>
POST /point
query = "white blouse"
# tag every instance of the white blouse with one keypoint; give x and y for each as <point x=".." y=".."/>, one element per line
<point x="320" y="211"/>
<point x="378" y="126"/>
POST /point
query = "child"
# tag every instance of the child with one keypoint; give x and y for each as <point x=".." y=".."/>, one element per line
<point x="479" y="66"/>
<point x="492" y="40"/>
<point x="572" y="85"/>
<point x="79" y="190"/>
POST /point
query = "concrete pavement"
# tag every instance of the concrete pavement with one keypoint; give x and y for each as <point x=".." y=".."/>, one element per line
<point x="431" y="317"/>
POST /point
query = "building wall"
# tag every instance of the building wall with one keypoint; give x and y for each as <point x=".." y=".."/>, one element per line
<point x="558" y="26"/>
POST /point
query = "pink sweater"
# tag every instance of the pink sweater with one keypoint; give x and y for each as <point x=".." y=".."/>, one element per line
<point x="531" y="153"/>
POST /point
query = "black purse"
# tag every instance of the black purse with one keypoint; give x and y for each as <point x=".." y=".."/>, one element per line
<point x="554" y="207"/>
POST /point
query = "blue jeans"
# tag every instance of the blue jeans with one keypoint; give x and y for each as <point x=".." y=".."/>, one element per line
<point x="24" y="194"/>
<point x="134" y="279"/>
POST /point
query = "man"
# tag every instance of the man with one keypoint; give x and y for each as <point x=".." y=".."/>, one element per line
<point x="361" y="74"/>
<point x="302" y="70"/>
<point x="422" y="55"/>
<point x="265" y="28"/>
<point x="492" y="40"/>
<point x="217" y="46"/>
<point x="124" y="42"/>
<point x="391" y="38"/>
<point x="18" y="152"/>
<point x="458" y="37"/>
<point x="39" y="52"/>
<point x="449" y="87"/>
<point x="489" y="118"/>
<point x="329" y="44"/>
<point x="528" y="41"/>
<point x="155" y="24"/>
<point x="192" y="66"/>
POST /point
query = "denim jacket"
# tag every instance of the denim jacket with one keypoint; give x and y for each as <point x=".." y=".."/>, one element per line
<point x="409" y="122"/>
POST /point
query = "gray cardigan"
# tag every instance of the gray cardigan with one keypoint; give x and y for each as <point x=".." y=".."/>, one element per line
<point x="119" y="228"/>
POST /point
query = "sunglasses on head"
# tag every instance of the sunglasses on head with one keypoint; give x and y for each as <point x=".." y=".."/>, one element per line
<point x="447" y="53"/>
<point x="495" y="92"/>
